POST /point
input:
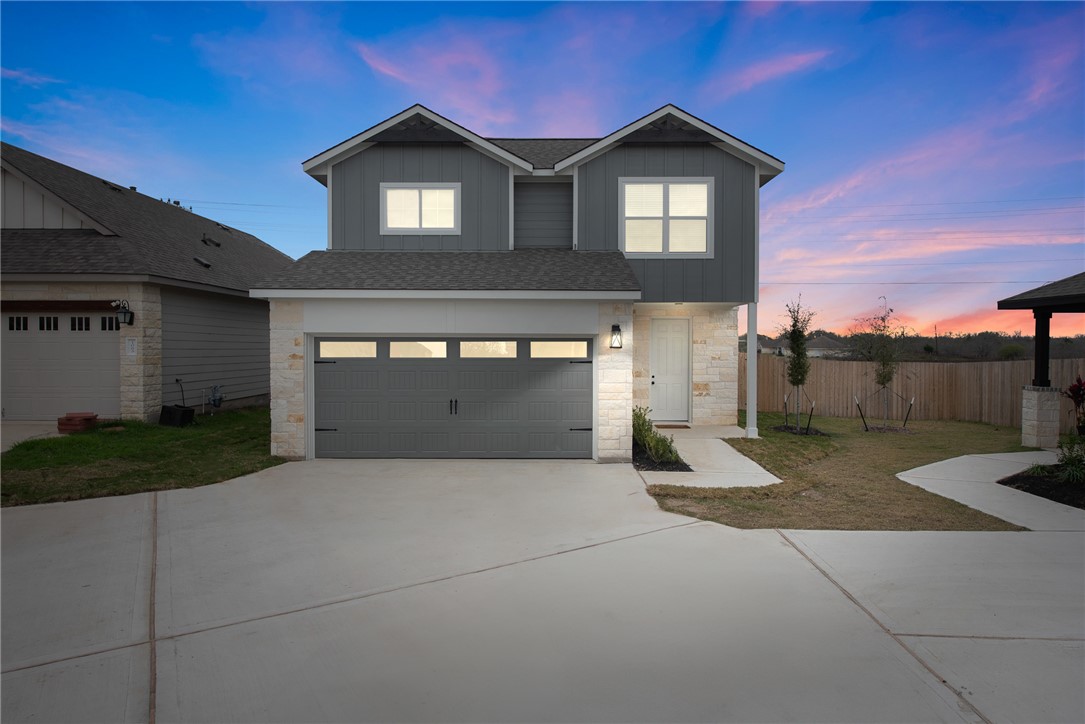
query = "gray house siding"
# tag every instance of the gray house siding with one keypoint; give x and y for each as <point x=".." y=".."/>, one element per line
<point x="729" y="275"/>
<point x="484" y="197"/>
<point x="26" y="207"/>
<point x="211" y="339"/>
<point x="543" y="215"/>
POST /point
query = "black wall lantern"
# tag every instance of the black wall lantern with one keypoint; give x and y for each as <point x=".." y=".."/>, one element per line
<point x="124" y="314"/>
<point x="615" y="337"/>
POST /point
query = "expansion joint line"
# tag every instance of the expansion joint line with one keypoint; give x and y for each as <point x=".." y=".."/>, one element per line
<point x="152" y="693"/>
<point x="900" y="642"/>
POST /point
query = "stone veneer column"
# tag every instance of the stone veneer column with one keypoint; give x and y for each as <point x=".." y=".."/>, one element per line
<point x="287" y="379"/>
<point x="141" y="355"/>
<point x="614" y="423"/>
<point x="1040" y="416"/>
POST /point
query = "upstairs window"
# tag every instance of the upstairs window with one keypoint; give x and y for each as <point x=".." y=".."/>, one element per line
<point x="420" y="208"/>
<point x="666" y="217"/>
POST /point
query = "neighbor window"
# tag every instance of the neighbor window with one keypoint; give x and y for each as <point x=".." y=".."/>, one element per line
<point x="356" y="350"/>
<point x="488" y="349"/>
<point x="670" y="217"/>
<point x="420" y="208"/>
<point x="559" y="348"/>
<point x="417" y="350"/>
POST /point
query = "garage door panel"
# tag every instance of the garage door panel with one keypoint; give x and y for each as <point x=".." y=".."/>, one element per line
<point x="504" y="407"/>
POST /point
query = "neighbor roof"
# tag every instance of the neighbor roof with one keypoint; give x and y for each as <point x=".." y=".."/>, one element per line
<point x="519" y="270"/>
<point x="138" y="234"/>
<point x="1068" y="292"/>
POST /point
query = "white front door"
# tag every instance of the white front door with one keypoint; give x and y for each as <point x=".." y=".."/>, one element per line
<point x="668" y="370"/>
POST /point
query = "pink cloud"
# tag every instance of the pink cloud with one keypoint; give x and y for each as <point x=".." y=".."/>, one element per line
<point x="26" y="77"/>
<point x="748" y="78"/>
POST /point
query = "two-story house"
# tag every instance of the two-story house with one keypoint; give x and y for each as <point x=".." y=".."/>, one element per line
<point x="496" y="297"/>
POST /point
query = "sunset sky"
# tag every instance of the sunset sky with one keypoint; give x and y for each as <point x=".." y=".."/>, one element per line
<point x="935" y="152"/>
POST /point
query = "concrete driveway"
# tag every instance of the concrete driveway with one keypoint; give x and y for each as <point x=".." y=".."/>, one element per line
<point x="517" y="591"/>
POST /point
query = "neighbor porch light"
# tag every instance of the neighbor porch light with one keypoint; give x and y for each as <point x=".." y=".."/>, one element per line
<point x="124" y="313"/>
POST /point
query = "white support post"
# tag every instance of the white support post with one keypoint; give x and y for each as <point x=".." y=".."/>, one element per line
<point x="751" y="370"/>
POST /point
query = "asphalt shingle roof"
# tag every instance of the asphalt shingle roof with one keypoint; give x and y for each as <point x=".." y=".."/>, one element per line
<point x="152" y="237"/>
<point x="520" y="270"/>
<point x="543" y="152"/>
<point x="1070" y="290"/>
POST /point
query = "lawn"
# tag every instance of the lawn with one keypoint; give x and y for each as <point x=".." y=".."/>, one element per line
<point x="133" y="457"/>
<point x="847" y="479"/>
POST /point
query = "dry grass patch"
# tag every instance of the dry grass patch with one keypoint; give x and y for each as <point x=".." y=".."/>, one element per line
<point x="846" y="480"/>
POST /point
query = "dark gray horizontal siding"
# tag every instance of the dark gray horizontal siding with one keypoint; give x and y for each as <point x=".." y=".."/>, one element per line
<point x="484" y="197"/>
<point x="729" y="275"/>
<point x="210" y="339"/>
<point x="543" y="215"/>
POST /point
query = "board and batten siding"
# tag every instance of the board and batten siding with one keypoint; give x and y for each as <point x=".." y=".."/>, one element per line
<point x="484" y="197"/>
<point x="729" y="275"/>
<point x="26" y="207"/>
<point x="543" y="215"/>
<point x="214" y="339"/>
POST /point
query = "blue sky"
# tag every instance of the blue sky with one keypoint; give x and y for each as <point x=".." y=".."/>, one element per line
<point x="935" y="152"/>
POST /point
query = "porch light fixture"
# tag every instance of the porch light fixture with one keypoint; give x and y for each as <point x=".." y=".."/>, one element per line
<point x="615" y="337"/>
<point x="124" y="314"/>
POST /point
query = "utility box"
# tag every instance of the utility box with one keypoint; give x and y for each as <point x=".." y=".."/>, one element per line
<point x="177" y="415"/>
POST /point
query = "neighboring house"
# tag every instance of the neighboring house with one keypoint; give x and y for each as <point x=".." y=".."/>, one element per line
<point x="490" y="297"/>
<point x="816" y="346"/>
<point x="71" y="245"/>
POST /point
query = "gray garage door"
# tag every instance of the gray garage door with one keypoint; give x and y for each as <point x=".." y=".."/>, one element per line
<point x="452" y="398"/>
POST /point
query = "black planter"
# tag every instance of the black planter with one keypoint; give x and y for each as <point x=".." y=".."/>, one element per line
<point x="177" y="415"/>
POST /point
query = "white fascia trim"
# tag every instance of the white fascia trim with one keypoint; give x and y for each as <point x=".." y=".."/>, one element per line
<point x="312" y="166"/>
<point x="440" y="294"/>
<point x="770" y="166"/>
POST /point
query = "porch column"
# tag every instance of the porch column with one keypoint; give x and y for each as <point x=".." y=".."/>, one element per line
<point x="751" y="370"/>
<point x="1041" y="377"/>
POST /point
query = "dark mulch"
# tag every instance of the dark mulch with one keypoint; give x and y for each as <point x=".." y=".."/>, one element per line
<point x="1047" y="486"/>
<point x="802" y="430"/>
<point x="641" y="461"/>
<point x="898" y="430"/>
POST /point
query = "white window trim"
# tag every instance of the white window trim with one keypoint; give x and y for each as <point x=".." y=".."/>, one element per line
<point x="385" y="231"/>
<point x="666" y="180"/>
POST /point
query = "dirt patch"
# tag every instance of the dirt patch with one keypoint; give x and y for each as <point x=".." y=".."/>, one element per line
<point x="641" y="461"/>
<point x="790" y="429"/>
<point x="898" y="430"/>
<point x="1049" y="487"/>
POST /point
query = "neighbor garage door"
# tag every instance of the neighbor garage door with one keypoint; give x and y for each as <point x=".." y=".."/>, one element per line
<point x="56" y="362"/>
<point x="453" y="398"/>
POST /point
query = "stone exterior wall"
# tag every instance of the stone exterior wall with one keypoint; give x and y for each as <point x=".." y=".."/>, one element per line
<point x="614" y="424"/>
<point x="141" y="372"/>
<point x="287" y="379"/>
<point x="1040" y="408"/>
<point x="713" y="358"/>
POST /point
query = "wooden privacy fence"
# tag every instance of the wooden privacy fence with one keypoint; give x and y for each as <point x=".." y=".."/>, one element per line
<point x="973" y="391"/>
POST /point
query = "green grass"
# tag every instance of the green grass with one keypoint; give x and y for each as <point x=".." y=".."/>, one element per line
<point x="133" y="457"/>
<point x="847" y="480"/>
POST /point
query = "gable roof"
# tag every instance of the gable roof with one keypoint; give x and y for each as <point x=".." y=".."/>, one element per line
<point x="136" y="234"/>
<point x="768" y="166"/>
<point x="530" y="154"/>
<point x="1067" y="294"/>
<point x="317" y="165"/>
<point x="537" y="270"/>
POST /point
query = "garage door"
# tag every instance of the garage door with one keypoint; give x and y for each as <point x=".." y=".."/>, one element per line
<point x="453" y="398"/>
<point x="53" y="363"/>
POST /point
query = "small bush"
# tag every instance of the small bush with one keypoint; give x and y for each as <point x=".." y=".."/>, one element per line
<point x="659" y="448"/>
<point x="1072" y="461"/>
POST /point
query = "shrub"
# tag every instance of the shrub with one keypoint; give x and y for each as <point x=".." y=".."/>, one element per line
<point x="659" y="448"/>
<point x="1072" y="461"/>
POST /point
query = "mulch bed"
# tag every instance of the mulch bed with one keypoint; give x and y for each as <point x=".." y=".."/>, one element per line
<point x="1048" y="486"/>
<point x="641" y="461"/>
<point x="802" y="430"/>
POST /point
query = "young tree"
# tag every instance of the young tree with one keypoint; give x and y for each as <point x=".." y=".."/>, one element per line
<point x="798" y="364"/>
<point x="881" y="337"/>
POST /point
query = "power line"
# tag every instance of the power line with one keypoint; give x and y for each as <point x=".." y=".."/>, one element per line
<point x="1061" y="211"/>
<point x="937" y="263"/>
<point x="903" y="284"/>
<point x="958" y="203"/>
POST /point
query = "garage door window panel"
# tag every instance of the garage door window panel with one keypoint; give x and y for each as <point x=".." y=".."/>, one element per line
<point x="403" y="349"/>
<point x="360" y="349"/>
<point x="48" y="324"/>
<point x="17" y="324"/>
<point x="559" y="349"/>
<point x="488" y="349"/>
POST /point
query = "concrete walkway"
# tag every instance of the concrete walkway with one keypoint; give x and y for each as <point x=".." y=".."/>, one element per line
<point x="13" y="432"/>
<point x="517" y="591"/>
<point x="715" y="463"/>
<point x="972" y="480"/>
